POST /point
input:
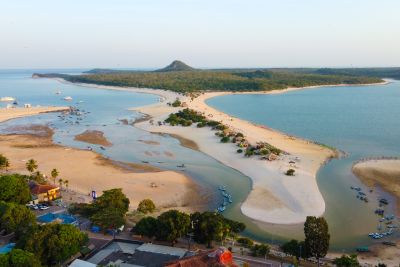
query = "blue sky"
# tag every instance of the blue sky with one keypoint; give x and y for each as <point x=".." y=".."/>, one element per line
<point x="203" y="33"/>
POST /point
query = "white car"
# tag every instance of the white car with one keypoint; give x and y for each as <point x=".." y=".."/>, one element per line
<point x="43" y="207"/>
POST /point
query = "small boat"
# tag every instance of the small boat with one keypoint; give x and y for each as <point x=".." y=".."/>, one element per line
<point x="67" y="98"/>
<point x="7" y="99"/>
<point x="58" y="92"/>
<point x="15" y="102"/>
<point x="102" y="148"/>
<point x="384" y="201"/>
<point x="362" y="249"/>
<point x="221" y="208"/>
<point x="181" y="166"/>
<point x="221" y="188"/>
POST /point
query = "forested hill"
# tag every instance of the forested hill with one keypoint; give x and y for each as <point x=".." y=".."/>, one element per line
<point x="229" y="79"/>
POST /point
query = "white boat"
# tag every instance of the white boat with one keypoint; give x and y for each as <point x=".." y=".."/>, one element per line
<point x="67" y="98"/>
<point x="7" y="99"/>
<point x="58" y="93"/>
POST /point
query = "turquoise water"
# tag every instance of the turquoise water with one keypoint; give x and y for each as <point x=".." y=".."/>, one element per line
<point x="362" y="121"/>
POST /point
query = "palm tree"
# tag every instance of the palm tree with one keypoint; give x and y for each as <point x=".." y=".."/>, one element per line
<point x="54" y="174"/>
<point x="60" y="181"/>
<point x="66" y="182"/>
<point x="31" y="165"/>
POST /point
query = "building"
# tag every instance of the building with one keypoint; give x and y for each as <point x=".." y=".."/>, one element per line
<point x="44" y="192"/>
<point x="126" y="253"/>
<point x="218" y="258"/>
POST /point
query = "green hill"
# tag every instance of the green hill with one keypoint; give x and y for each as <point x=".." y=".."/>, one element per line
<point x="176" y="65"/>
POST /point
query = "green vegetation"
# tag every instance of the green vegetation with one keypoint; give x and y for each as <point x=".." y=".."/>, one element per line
<point x="173" y="224"/>
<point x="176" y="103"/>
<point x="54" y="175"/>
<point x="317" y="237"/>
<point x="295" y="248"/>
<point x="108" y="211"/>
<point x="16" y="218"/>
<point x="290" y="172"/>
<point x="53" y="243"/>
<point x="260" y="250"/>
<point x="31" y="165"/>
<point x="246" y="242"/>
<point x="4" y="162"/>
<point x="184" y="79"/>
<point x="14" y="189"/>
<point x="347" y="261"/>
<point x="147" y="227"/>
<point x="146" y="206"/>
<point x="19" y="258"/>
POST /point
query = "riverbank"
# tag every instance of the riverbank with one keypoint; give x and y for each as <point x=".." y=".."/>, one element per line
<point x="275" y="198"/>
<point x="168" y="189"/>
<point x="382" y="172"/>
<point x="13" y="113"/>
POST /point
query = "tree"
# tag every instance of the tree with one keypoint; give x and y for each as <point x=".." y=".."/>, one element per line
<point x="16" y="218"/>
<point x="14" y="189"/>
<point x="53" y="243"/>
<point x="294" y="248"/>
<point x="66" y="183"/>
<point x="147" y="227"/>
<point x="113" y="198"/>
<point x="317" y="236"/>
<point x="146" y="205"/>
<point x="54" y="175"/>
<point x="4" y="163"/>
<point x="60" y="182"/>
<point x="172" y="225"/>
<point x="259" y="250"/>
<point x="19" y="258"/>
<point x="246" y="242"/>
<point x="347" y="261"/>
<point x="108" y="218"/>
<point x="31" y="165"/>
<point x="210" y="227"/>
<point x="290" y="172"/>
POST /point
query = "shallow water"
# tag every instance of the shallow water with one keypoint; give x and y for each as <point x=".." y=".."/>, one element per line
<point x="362" y="121"/>
<point x="289" y="112"/>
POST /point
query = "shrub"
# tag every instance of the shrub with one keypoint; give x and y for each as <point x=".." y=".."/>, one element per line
<point x="225" y="139"/>
<point x="246" y="242"/>
<point x="239" y="150"/>
<point x="146" y="206"/>
<point x="290" y="172"/>
<point x="176" y="103"/>
<point x="259" y="250"/>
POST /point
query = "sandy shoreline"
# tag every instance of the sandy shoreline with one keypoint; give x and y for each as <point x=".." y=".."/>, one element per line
<point x="382" y="172"/>
<point x="168" y="189"/>
<point x="275" y="197"/>
<point x="13" y="113"/>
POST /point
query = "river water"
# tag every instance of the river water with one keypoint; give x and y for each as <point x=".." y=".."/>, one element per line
<point x="358" y="120"/>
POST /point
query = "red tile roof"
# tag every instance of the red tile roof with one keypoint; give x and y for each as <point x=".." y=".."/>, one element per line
<point x="41" y="188"/>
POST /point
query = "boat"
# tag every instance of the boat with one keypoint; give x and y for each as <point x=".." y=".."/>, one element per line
<point x="7" y="99"/>
<point x="384" y="201"/>
<point x="181" y="166"/>
<point x="221" y="208"/>
<point x="221" y="188"/>
<point x="102" y="148"/>
<point x="67" y="98"/>
<point x="362" y="249"/>
<point x="15" y="102"/>
<point x="58" y="92"/>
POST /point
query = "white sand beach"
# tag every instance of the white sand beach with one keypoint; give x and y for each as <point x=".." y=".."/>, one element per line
<point x="274" y="198"/>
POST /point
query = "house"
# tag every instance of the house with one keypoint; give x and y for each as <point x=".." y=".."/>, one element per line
<point x="220" y="257"/>
<point x="44" y="192"/>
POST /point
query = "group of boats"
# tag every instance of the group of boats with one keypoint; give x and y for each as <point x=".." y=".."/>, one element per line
<point x="227" y="199"/>
<point x="387" y="224"/>
<point x="74" y="116"/>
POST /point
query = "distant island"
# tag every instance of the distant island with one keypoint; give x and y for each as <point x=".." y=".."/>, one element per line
<point x="182" y="78"/>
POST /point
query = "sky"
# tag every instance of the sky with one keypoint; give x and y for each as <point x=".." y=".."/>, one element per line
<point x="202" y="33"/>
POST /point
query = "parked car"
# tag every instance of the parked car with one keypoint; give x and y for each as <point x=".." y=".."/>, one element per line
<point x="32" y="206"/>
<point x="43" y="206"/>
